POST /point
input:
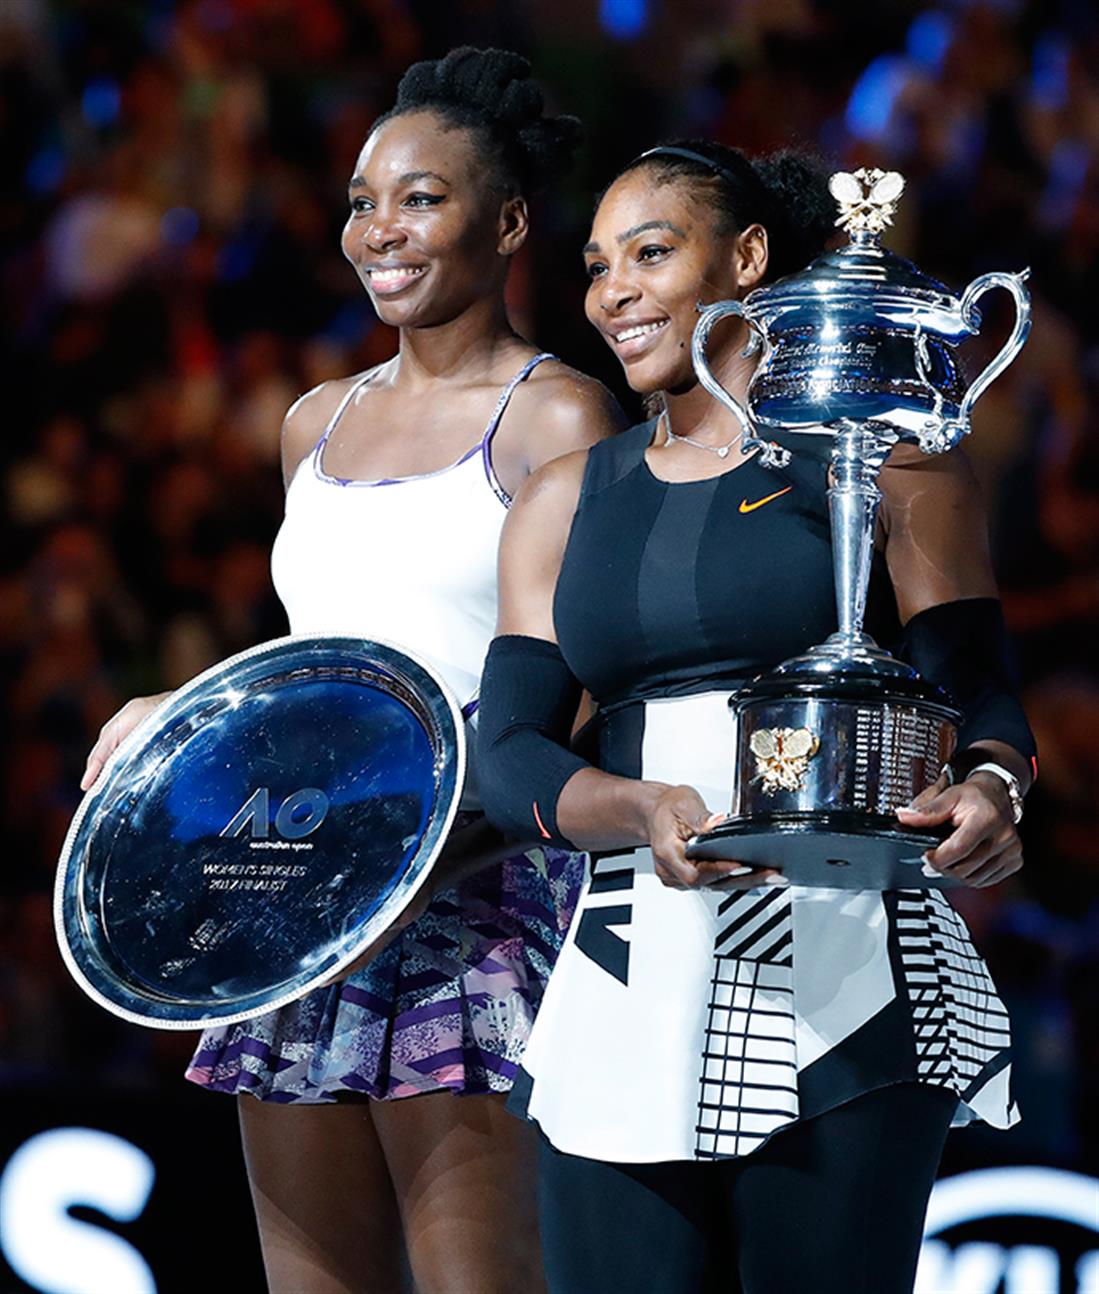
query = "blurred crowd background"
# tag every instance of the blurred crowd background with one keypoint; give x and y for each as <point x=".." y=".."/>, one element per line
<point x="172" y="187"/>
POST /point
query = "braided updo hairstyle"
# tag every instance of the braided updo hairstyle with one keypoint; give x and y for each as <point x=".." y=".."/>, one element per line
<point x="785" y="192"/>
<point x="491" y="92"/>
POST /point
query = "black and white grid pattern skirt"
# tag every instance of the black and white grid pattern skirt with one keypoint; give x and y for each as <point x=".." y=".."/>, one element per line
<point x="684" y="1025"/>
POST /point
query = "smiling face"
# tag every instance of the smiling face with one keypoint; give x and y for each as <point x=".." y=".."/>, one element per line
<point x="655" y="252"/>
<point x="428" y="233"/>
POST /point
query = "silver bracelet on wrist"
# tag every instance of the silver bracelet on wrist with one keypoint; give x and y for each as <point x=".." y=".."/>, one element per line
<point x="1014" y="790"/>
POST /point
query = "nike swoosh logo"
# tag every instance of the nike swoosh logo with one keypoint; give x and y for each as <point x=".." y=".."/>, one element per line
<point x="745" y="506"/>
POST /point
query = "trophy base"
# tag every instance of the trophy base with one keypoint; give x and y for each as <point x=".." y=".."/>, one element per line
<point x="828" y="850"/>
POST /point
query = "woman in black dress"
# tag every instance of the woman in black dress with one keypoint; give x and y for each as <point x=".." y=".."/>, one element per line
<point x="812" y="1046"/>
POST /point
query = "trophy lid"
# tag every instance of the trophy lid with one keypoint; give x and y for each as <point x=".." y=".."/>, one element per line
<point x="863" y="276"/>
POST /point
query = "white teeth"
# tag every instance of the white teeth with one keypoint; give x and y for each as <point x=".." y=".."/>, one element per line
<point x="389" y="278"/>
<point x="629" y="333"/>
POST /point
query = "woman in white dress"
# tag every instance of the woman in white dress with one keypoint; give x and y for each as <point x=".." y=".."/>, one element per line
<point x="398" y="482"/>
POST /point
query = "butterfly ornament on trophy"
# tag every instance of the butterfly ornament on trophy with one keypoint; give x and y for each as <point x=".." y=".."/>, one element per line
<point x="782" y="757"/>
<point x="867" y="198"/>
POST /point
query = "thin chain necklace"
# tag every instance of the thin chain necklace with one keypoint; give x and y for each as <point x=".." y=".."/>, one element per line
<point x="722" y="451"/>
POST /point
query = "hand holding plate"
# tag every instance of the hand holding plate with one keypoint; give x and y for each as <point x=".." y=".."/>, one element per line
<point x="115" y="731"/>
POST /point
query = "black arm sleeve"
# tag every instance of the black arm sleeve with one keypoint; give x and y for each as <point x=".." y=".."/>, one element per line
<point x="529" y="700"/>
<point x="963" y="647"/>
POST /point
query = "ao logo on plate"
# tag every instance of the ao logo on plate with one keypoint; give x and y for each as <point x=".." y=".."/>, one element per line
<point x="298" y="815"/>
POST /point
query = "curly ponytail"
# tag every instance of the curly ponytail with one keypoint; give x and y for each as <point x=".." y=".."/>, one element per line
<point x="491" y="92"/>
<point x="785" y="192"/>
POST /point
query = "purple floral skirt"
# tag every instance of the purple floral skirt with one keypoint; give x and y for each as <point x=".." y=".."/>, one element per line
<point x="447" y="1006"/>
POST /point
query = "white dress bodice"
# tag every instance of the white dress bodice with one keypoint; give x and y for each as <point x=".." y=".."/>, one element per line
<point x="411" y="561"/>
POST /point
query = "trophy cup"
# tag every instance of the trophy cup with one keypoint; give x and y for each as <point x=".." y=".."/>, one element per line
<point x="861" y="347"/>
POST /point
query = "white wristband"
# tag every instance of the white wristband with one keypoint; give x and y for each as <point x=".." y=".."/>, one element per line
<point x="1009" y="779"/>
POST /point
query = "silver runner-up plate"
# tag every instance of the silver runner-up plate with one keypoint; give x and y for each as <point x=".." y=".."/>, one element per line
<point x="259" y="831"/>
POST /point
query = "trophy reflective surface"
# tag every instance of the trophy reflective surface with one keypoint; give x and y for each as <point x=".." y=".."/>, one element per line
<point x="259" y="830"/>
<point x="861" y="348"/>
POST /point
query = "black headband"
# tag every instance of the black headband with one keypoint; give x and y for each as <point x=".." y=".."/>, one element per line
<point x="670" y="150"/>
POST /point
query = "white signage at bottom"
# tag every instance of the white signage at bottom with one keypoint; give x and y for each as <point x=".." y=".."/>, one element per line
<point x="977" y="1267"/>
<point x="43" y="1243"/>
<point x="55" y="1253"/>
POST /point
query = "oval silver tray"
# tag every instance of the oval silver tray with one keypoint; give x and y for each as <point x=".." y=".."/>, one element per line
<point x="259" y="830"/>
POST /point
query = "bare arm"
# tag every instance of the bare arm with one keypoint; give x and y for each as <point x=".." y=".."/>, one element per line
<point x="301" y="429"/>
<point x="937" y="546"/>
<point x="596" y="810"/>
<point x="936" y="530"/>
<point x="937" y="551"/>
<point x="557" y="411"/>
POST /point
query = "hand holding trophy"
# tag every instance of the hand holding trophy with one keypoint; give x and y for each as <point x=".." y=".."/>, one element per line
<point x="861" y="347"/>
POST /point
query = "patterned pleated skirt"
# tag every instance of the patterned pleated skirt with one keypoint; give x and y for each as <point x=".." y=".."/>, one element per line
<point x="684" y="1025"/>
<point x="447" y="1006"/>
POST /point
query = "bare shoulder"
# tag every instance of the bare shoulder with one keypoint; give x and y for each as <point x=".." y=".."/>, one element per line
<point x="563" y="410"/>
<point x="307" y="418"/>
<point x="553" y="490"/>
<point x="569" y="401"/>
<point x="533" y="545"/>
<point x="908" y="468"/>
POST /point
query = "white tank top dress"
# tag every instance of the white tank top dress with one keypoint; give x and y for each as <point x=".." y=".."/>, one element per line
<point x="449" y="1004"/>
<point x="411" y="560"/>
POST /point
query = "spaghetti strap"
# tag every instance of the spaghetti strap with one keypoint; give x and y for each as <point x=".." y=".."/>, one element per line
<point x="494" y="423"/>
<point x="482" y="447"/>
<point x="349" y="395"/>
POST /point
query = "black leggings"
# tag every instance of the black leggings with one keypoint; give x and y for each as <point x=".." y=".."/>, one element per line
<point x="833" y="1205"/>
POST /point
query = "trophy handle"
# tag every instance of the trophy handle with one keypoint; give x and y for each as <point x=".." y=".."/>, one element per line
<point x="770" y="454"/>
<point x="1013" y="283"/>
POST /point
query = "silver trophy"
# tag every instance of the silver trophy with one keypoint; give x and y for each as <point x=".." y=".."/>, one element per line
<point x="259" y="831"/>
<point x="860" y="347"/>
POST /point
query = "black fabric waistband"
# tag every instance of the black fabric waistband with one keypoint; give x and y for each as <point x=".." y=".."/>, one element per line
<point x="612" y="739"/>
<point x="674" y="685"/>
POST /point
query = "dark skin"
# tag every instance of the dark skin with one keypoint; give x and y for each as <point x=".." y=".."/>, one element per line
<point x="419" y="198"/>
<point x="430" y="235"/>
<point x="655" y="252"/>
<point x="422" y="212"/>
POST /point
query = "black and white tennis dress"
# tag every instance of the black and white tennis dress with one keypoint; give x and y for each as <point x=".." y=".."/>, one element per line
<point x="685" y="1025"/>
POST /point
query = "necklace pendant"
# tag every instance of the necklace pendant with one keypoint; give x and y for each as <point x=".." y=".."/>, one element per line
<point x="723" y="452"/>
